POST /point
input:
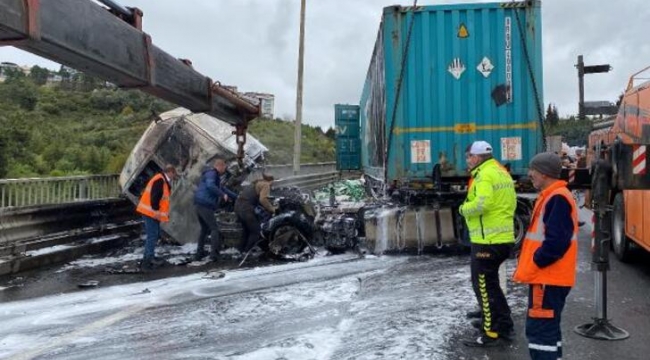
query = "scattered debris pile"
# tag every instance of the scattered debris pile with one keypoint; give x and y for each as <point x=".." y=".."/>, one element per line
<point x="344" y="190"/>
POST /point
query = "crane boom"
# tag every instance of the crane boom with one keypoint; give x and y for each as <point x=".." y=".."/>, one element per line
<point x="85" y="36"/>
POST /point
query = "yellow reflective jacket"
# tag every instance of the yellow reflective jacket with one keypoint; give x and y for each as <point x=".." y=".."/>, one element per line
<point x="489" y="209"/>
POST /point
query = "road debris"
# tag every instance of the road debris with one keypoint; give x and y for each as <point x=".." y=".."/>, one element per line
<point x="214" y="275"/>
<point x="344" y="190"/>
<point x="88" y="284"/>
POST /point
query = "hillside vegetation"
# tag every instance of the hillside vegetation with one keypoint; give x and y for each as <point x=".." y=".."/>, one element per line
<point x="83" y="127"/>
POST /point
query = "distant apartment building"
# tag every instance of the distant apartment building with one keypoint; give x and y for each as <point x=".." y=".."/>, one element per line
<point x="267" y="100"/>
<point x="267" y="103"/>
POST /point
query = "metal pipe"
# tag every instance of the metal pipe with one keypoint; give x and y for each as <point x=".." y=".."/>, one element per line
<point x="245" y="106"/>
<point x="602" y="125"/>
<point x="117" y="7"/>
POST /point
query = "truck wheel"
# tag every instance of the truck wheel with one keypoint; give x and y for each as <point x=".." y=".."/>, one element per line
<point x="522" y="218"/>
<point x="286" y="240"/>
<point x="620" y="242"/>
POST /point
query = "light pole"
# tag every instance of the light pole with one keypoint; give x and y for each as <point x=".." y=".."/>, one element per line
<point x="298" y="123"/>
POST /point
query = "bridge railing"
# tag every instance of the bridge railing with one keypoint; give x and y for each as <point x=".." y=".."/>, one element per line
<point x="57" y="190"/>
<point x="19" y="193"/>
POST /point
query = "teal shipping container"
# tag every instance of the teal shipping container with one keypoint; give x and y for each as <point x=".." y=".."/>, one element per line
<point x="443" y="76"/>
<point x="348" y="149"/>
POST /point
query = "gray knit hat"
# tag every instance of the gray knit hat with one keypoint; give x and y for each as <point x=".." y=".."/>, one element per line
<point x="547" y="163"/>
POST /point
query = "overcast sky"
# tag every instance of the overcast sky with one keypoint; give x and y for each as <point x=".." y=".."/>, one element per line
<point x="253" y="44"/>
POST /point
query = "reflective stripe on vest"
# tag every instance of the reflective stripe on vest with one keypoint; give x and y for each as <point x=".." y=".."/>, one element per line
<point x="144" y="206"/>
<point x="562" y="272"/>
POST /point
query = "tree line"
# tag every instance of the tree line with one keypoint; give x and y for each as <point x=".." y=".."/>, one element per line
<point x="82" y="125"/>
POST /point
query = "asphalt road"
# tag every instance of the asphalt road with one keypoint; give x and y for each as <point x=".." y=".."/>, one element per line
<point x="628" y="308"/>
<point x="339" y="307"/>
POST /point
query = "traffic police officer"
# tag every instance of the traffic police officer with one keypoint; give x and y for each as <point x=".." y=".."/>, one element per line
<point x="489" y="212"/>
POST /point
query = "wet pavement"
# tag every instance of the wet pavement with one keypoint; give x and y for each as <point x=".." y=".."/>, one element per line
<point x="117" y="267"/>
<point x="331" y="307"/>
<point x="628" y="308"/>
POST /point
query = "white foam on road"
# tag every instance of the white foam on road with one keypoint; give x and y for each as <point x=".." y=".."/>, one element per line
<point x="336" y="307"/>
<point x="47" y="250"/>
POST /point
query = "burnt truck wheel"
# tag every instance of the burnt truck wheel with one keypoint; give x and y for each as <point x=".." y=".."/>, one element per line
<point x="287" y="240"/>
<point x="620" y="241"/>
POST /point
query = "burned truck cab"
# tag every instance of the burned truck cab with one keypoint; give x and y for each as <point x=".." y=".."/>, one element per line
<point x="190" y="142"/>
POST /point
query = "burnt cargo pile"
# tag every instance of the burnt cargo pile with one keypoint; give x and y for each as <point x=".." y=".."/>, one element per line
<point x="441" y="77"/>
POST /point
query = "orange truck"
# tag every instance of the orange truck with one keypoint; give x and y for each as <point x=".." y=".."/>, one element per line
<point x="630" y="224"/>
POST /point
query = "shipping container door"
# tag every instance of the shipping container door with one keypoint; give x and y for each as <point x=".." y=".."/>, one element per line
<point x="348" y="150"/>
<point x="469" y="72"/>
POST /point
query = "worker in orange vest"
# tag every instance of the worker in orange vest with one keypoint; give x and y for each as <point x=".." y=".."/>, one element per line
<point x="154" y="208"/>
<point x="548" y="257"/>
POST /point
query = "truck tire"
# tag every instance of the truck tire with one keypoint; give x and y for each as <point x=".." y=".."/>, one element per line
<point x="522" y="220"/>
<point x="620" y="242"/>
<point x="287" y="240"/>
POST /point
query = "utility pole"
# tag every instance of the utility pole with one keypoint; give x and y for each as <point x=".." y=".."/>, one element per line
<point x="298" y="123"/>
<point x="581" y="88"/>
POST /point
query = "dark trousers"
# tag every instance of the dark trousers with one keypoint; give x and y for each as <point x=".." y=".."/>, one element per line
<point x="250" y="225"/>
<point x="545" y="305"/>
<point x="486" y="260"/>
<point x="208" y="225"/>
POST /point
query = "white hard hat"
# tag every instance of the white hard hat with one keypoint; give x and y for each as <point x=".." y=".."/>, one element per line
<point x="480" y="148"/>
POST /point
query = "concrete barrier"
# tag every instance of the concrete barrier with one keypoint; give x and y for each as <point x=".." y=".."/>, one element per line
<point x="286" y="171"/>
<point x="18" y="224"/>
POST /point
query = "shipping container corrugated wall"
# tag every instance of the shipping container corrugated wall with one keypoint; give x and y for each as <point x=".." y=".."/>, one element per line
<point x="348" y="149"/>
<point x="468" y="72"/>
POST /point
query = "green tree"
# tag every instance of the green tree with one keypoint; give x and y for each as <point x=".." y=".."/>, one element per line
<point x="3" y="157"/>
<point x="86" y="82"/>
<point x="13" y="74"/>
<point x="39" y="75"/>
<point x="331" y="133"/>
<point x="20" y="91"/>
<point x="552" y="117"/>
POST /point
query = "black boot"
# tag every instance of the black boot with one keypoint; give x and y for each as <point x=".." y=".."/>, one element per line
<point x="485" y="341"/>
<point x="199" y="255"/>
<point x="146" y="265"/>
<point x="507" y="335"/>
<point x="474" y="314"/>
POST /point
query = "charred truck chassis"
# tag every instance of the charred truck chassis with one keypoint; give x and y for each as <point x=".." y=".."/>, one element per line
<point x="425" y="215"/>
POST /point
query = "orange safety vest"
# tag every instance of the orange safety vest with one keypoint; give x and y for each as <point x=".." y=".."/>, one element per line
<point x="144" y="206"/>
<point x="563" y="271"/>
